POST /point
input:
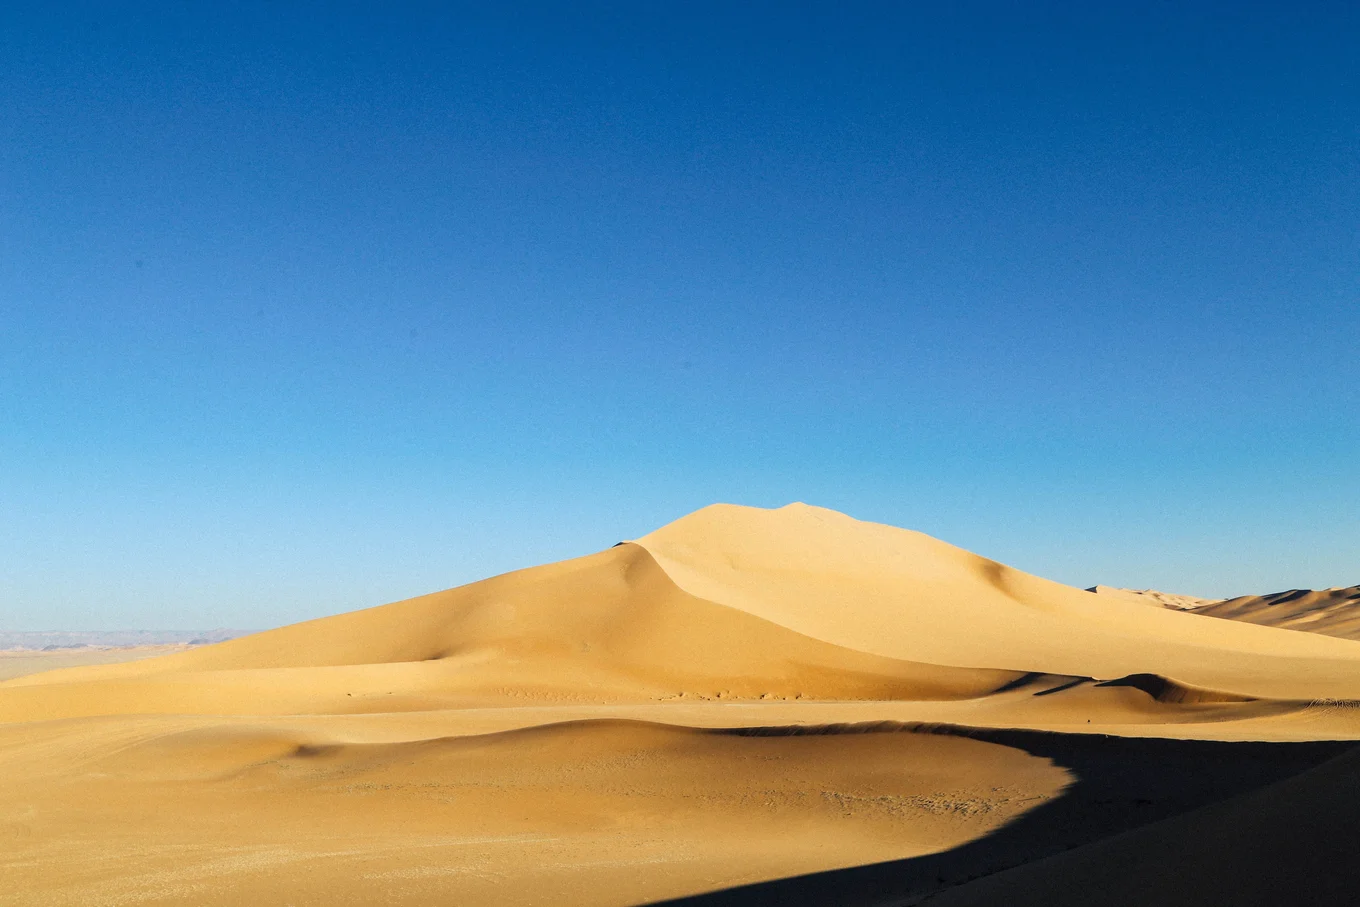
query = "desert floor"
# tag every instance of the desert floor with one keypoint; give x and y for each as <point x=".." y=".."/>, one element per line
<point x="744" y="707"/>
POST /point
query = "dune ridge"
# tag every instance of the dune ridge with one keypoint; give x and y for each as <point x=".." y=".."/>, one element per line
<point x="905" y="595"/>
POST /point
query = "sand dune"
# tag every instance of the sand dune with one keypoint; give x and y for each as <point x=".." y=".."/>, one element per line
<point x="1331" y="612"/>
<point x="625" y="726"/>
<point x="901" y="594"/>
<point x="610" y="627"/>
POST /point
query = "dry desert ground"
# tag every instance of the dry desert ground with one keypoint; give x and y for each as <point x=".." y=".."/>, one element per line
<point x="744" y="707"/>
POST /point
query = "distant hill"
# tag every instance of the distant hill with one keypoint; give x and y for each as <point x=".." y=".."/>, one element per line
<point x="74" y="639"/>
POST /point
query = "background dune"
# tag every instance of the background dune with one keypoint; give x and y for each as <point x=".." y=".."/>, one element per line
<point x="1331" y="612"/>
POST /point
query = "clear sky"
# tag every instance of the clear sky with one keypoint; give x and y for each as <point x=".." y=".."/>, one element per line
<point x="305" y="308"/>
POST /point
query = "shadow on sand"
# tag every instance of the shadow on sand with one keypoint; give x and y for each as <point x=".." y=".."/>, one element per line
<point x="1119" y="783"/>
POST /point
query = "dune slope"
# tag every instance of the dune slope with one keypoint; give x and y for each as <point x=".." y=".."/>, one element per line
<point x="610" y="627"/>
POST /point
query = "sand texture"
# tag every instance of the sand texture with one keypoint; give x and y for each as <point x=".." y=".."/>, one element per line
<point x="787" y="705"/>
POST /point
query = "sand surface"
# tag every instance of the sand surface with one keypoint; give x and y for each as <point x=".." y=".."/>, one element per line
<point x="744" y="697"/>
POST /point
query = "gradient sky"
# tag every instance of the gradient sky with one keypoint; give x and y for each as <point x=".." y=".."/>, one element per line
<point x="305" y="308"/>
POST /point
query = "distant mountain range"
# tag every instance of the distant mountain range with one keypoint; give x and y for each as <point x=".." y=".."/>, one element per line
<point x="75" y="639"/>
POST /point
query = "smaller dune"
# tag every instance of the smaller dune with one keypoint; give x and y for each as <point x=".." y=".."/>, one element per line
<point x="1331" y="612"/>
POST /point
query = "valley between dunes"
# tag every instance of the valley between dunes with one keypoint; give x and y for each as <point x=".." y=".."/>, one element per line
<point x="745" y="706"/>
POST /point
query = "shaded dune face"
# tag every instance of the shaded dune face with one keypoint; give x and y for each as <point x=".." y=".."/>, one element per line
<point x="1288" y="843"/>
<point x="1117" y="784"/>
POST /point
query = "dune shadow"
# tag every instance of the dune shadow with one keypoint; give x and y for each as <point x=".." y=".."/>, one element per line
<point x="1119" y="783"/>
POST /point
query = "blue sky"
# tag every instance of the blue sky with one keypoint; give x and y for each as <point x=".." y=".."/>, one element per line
<point x="310" y="307"/>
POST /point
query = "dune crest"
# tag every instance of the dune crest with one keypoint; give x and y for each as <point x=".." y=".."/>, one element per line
<point x="903" y="594"/>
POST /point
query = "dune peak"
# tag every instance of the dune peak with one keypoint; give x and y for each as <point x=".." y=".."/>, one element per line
<point x="903" y="594"/>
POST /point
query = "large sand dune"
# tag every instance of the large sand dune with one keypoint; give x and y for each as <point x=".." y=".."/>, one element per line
<point x="742" y="695"/>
